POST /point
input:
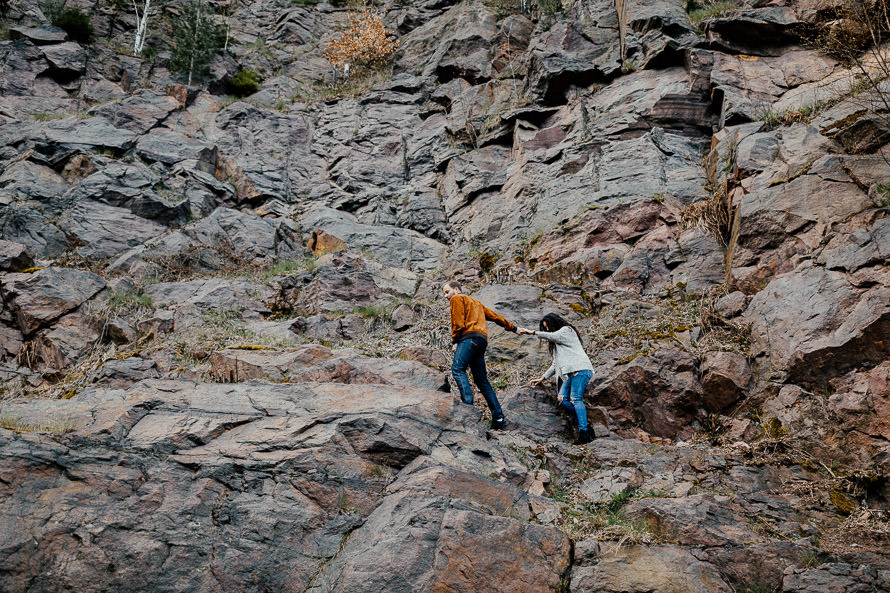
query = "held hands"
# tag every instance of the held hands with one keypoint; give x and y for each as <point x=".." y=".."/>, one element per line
<point x="521" y="331"/>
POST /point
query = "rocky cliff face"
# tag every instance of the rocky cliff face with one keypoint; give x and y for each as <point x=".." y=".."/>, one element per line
<point x="224" y="355"/>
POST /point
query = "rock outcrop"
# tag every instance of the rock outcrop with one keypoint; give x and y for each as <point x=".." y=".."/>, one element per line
<point x="225" y="355"/>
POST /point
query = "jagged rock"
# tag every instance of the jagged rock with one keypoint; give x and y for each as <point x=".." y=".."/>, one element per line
<point x="295" y="499"/>
<point x="403" y="317"/>
<point x="272" y="149"/>
<point x="766" y="81"/>
<point x="698" y="262"/>
<point x="776" y="228"/>
<point x="320" y="327"/>
<point x="127" y="185"/>
<point x="120" y="331"/>
<point x="761" y="563"/>
<point x="319" y="364"/>
<point x="657" y="393"/>
<point x="140" y="112"/>
<point x="30" y="181"/>
<point x="104" y="231"/>
<point x="23" y="63"/>
<point x="169" y="147"/>
<point x="867" y="246"/>
<point x="160" y="322"/>
<point x="431" y="358"/>
<point x="836" y="576"/>
<point x="394" y="246"/>
<point x="214" y="294"/>
<point x="456" y="45"/>
<point x="572" y="54"/>
<point x="223" y="240"/>
<point x="40" y="297"/>
<point x="321" y="243"/>
<point x="640" y="569"/>
<point x="11" y="341"/>
<point x="754" y="31"/>
<point x="67" y="60"/>
<point x="69" y="339"/>
<point x="724" y="378"/>
<point x="449" y="511"/>
<point x="14" y="257"/>
<point x="536" y="411"/>
<point x="23" y="223"/>
<point x="103" y="91"/>
<point x="120" y="374"/>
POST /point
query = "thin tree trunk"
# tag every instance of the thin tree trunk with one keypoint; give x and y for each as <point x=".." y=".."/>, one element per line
<point x="142" y="27"/>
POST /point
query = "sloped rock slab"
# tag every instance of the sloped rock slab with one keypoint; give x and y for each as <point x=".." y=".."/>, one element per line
<point x="284" y="473"/>
<point x="45" y="35"/>
<point x="93" y="132"/>
<point x="214" y="294"/>
<point x="313" y="363"/>
<point x="40" y="297"/>
<point x="106" y="230"/>
<point x="223" y="240"/>
<point x="836" y="576"/>
<point x="641" y="569"/>
<point x="815" y="324"/>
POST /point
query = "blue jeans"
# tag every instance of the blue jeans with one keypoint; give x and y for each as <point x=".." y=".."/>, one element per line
<point x="572" y="392"/>
<point x="470" y="352"/>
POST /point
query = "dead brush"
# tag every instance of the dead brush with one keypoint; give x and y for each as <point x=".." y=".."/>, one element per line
<point x="366" y="42"/>
<point x="713" y="214"/>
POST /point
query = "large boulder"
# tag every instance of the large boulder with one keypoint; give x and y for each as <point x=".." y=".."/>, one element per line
<point x="813" y="323"/>
<point x="468" y="534"/>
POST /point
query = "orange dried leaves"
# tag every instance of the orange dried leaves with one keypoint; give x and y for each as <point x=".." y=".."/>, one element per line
<point x="366" y="42"/>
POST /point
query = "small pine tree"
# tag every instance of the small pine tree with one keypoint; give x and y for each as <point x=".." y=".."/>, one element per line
<point x="196" y="38"/>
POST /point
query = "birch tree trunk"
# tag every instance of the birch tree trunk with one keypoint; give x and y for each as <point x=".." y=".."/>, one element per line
<point x="142" y="27"/>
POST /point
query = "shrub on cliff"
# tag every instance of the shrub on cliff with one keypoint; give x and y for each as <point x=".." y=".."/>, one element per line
<point x="75" y="23"/>
<point x="366" y="43"/>
<point x="245" y="83"/>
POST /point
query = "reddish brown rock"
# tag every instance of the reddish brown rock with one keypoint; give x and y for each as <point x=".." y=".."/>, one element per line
<point x="724" y="378"/>
<point x="321" y="242"/>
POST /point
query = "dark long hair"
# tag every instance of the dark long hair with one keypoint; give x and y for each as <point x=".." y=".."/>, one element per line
<point x="555" y="323"/>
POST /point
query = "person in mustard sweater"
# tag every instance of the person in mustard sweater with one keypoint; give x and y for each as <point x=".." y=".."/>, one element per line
<point x="469" y="338"/>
